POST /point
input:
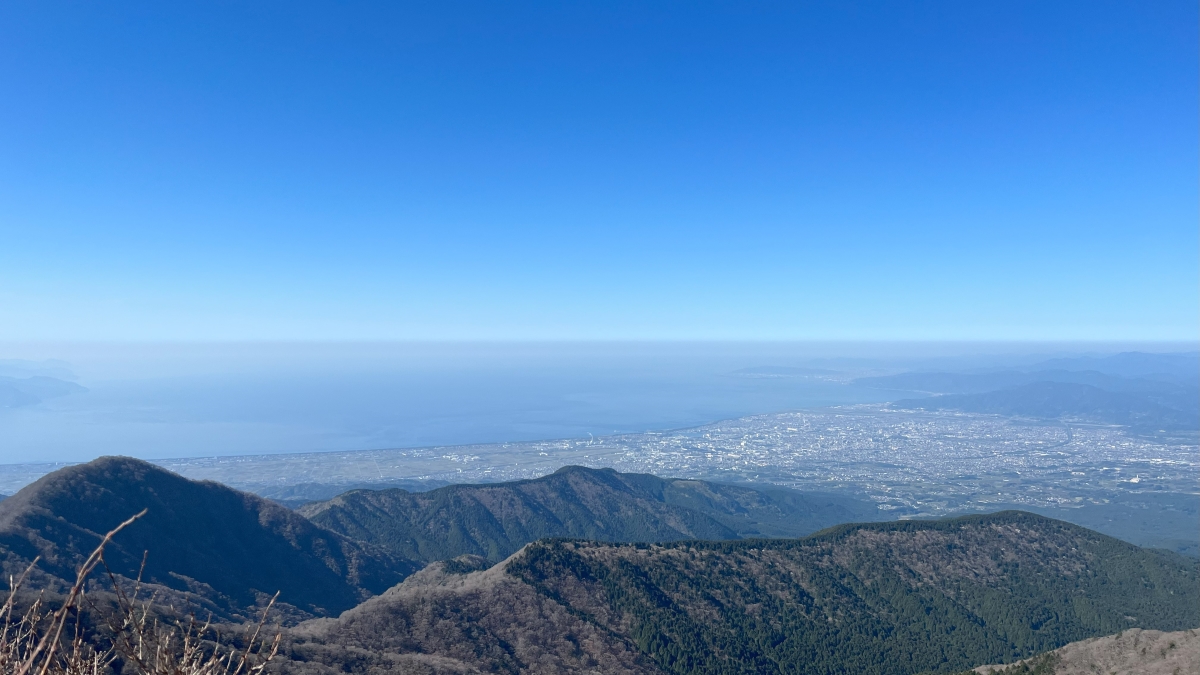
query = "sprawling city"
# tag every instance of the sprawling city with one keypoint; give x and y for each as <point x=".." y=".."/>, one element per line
<point x="912" y="464"/>
<point x="916" y="462"/>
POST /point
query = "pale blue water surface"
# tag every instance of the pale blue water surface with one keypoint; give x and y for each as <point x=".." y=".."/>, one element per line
<point x="158" y="401"/>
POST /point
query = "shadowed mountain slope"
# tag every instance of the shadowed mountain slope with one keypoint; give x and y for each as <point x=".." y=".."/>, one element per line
<point x="229" y="548"/>
<point x="882" y="599"/>
<point x="494" y="520"/>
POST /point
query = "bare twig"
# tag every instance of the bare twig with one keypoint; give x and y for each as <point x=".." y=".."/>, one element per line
<point x="60" y="617"/>
<point x="32" y="644"/>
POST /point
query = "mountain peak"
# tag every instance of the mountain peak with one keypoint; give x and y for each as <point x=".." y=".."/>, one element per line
<point x="495" y="519"/>
<point x="232" y="547"/>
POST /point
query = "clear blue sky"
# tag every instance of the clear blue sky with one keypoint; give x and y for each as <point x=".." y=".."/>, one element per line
<point x="602" y="170"/>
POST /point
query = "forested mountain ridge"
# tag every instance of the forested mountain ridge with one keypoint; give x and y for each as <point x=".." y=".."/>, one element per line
<point x="295" y="496"/>
<point x="495" y="520"/>
<point x="453" y="617"/>
<point x="225" y="549"/>
<point x="889" y="598"/>
<point x="881" y="598"/>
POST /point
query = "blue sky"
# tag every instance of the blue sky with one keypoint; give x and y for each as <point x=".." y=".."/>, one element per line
<point x="606" y="170"/>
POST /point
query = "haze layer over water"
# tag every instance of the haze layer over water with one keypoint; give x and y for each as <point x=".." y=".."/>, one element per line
<point x="204" y="400"/>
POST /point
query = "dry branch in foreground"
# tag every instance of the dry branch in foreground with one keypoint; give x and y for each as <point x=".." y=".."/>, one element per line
<point x="127" y="636"/>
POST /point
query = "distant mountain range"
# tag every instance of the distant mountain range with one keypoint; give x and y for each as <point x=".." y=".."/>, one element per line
<point x="295" y="496"/>
<point x="1147" y="392"/>
<point x="976" y="383"/>
<point x="495" y="520"/>
<point x="1183" y="366"/>
<point x="20" y="391"/>
<point x="887" y="598"/>
<point x="1064" y="399"/>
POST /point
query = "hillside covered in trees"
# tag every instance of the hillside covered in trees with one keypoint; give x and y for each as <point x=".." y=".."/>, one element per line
<point x="882" y="598"/>
<point x="892" y="598"/>
<point x="206" y="545"/>
<point x="495" y="520"/>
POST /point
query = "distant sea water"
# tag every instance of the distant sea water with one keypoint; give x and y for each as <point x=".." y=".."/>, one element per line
<point x="164" y="401"/>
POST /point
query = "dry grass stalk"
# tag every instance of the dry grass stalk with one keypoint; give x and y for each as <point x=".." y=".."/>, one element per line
<point x="139" y="641"/>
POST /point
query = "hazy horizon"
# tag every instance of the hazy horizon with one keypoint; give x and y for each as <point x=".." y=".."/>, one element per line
<point x="192" y="400"/>
<point x="249" y="229"/>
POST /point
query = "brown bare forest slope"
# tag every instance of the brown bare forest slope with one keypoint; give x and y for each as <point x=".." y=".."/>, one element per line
<point x="883" y="598"/>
